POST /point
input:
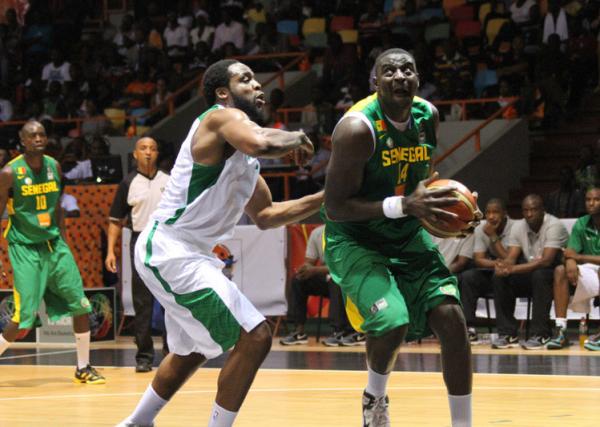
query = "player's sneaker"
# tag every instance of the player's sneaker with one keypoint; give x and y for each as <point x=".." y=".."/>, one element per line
<point x="375" y="411"/>
<point x="592" y="343"/>
<point x="472" y="334"/>
<point x="295" y="338"/>
<point x="536" y="342"/>
<point x="334" y="340"/>
<point x="354" y="339"/>
<point x="88" y="375"/>
<point x="559" y="340"/>
<point x="505" y="341"/>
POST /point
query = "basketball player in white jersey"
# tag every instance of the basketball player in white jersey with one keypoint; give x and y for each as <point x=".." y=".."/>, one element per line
<point x="214" y="180"/>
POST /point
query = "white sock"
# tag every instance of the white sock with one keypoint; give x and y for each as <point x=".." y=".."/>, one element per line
<point x="377" y="383"/>
<point x="221" y="417"/>
<point x="460" y="410"/>
<point x="147" y="408"/>
<point x="82" y="342"/>
<point x="561" y="322"/>
<point x="3" y="344"/>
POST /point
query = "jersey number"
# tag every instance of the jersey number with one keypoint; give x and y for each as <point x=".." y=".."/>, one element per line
<point x="40" y="203"/>
<point x="402" y="173"/>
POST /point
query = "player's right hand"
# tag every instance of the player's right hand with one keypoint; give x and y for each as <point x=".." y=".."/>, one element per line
<point x="424" y="202"/>
<point x="306" y="144"/>
<point x="111" y="263"/>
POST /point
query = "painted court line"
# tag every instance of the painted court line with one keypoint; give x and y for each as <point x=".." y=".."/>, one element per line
<point x="50" y="353"/>
<point x="305" y="389"/>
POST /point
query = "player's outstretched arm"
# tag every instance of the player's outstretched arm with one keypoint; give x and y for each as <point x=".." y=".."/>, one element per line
<point x="268" y="214"/>
<point x="234" y="127"/>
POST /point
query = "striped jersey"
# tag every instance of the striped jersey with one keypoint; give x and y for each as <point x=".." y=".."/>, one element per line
<point x="399" y="161"/>
<point x="202" y="204"/>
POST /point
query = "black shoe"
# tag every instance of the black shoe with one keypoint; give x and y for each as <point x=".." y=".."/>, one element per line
<point x="143" y="366"/>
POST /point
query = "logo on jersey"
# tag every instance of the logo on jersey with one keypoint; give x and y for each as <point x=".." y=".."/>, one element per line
<point x="379" y="305"/>
<point x="389" y="142"/>
<point x="224" y="254"/>
<point x="380" y="126"/>
<point x="28" y="181"/>
<point x="50" y="173"/>
<point x="21" y="172"/>
<point x="448" y="290"/>
<point x="85" y="303"/>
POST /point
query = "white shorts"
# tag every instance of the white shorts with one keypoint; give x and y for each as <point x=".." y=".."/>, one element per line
<point x="204" y="311"/>
<point x="588" y="287"/>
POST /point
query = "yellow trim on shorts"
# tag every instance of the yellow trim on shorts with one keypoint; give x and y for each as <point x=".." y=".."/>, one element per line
<point x="354" y="317"/>
<point x="7" y="229"/>
<point x="17" y="316"/>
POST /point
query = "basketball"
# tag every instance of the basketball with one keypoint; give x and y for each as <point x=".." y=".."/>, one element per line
<point x="465" y="208"/>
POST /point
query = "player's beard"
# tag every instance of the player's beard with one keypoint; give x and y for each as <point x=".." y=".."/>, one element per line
<point x="250" y="108"/>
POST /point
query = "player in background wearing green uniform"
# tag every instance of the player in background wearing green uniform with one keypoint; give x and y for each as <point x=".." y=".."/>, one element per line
<point x="394" y="279"/>
<point x="43" y="265"/>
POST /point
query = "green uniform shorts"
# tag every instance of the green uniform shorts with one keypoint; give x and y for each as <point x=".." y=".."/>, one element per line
<point x="46" y="270"/>
<point x="383" y="292"/>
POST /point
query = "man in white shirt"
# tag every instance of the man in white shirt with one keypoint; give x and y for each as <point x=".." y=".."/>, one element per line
<point x="490" y="245"/>
<point x="228" y="31"/>
<point x="57" y="70"/>
<point x="176" y="37"/>
<point x="538" y="238"/>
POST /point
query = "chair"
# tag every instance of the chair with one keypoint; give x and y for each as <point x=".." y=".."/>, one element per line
<point x="431" y="13"/>
<point x="467" y="29"/>
<point x="287" y="27"/>
<point x="339" y="23"/>
<point x="493" y="28"/>
<point x="116" y="117"/>
<point x="439" y="31"/>
<point x="448" y="5"/>
<point x="313" y="25"/>
<point x="349" y="36"/>
<point x="484" y="10"/>
<point x="464" y="12"/>
<point x="317" y="40"/>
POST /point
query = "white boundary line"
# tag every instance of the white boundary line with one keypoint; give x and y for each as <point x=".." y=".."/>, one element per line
<point x="50" y="353"/>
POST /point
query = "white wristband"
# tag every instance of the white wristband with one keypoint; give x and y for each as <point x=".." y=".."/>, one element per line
<point x="392" y="207"/>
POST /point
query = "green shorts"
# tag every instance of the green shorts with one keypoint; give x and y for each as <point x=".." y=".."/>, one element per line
<point x="46" y="270"/>
<point x="384" y="292"/>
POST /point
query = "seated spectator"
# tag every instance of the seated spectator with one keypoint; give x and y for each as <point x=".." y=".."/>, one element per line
<point x="452" y="73"/>
<point x="139" y="90"/>
<point x="161" y="93"/>
<point x="457" y="252"/>
<point x="555" y="22"/>
<point x="312" y="278"/>
<point x="176" y="38"/>
<point x="184" y="15"/>
<point x="54" y="105"/>
<point x="538" y="238"/>
<point x="580" y="270"/>
<point x="490" y="245"/>
<point x="95" y="123"/>
<point x="75" y="162"/>
<point x="57" y="70"/>
<point x="319" y="116"/>
<point x="519" y="11"/>
<point x="68" y="203"/>
<point x="202" y="32"/>
<point x="586" y="172"/>
<point x="123" y="40"/>
<point x="201" y="57"/>
<point x="228" y="31"/>
<point x="37" y="37"/>
<point x="339" y="63"/>
<point x="566" y="201"/>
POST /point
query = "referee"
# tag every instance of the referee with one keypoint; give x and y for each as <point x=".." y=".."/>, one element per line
<point x="136" y="198"/>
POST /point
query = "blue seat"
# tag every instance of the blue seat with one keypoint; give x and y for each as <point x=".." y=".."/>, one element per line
<point x="484" y="78"/>
<point x="287" y="27"/>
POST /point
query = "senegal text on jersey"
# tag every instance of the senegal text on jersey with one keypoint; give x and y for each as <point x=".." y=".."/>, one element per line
<point x="33" y="189"/>
<point x="405" y="154"/>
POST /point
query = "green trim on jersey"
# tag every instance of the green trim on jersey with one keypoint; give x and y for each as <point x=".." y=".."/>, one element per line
<point x="585" y="238"/>
<point x="400" y="160"/>
<point x="202" y="177"/>
<point x="205" y="305"/>
<point x="34" y="199"/>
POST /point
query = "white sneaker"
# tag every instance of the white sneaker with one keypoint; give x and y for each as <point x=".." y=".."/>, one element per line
<point x="126" y="423"/>
<point x="375" y="411"/>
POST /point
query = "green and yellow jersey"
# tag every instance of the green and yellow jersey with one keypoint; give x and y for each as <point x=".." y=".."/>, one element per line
<point x="400" y="160"/>
<point x="31" y="207"/>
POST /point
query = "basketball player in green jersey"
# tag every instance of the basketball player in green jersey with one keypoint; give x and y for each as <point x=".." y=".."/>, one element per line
<point x="43" y="264"/>
<point x="394" y="280"/>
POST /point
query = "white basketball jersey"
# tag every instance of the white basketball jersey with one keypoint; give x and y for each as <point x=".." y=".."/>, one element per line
<point x="202" y="204"/>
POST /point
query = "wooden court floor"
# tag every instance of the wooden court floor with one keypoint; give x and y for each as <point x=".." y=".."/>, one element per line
<point x="39" y="392"/>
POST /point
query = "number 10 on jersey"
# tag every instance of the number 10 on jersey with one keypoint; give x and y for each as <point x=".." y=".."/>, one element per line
<point x="41" y="203"/>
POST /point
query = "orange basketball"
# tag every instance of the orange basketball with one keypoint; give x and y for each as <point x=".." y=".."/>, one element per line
<point x="465" y="209"/>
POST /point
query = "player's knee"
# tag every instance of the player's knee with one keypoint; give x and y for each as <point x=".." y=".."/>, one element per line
<point x="448" y="320"/>
<point x="261" y="336"/>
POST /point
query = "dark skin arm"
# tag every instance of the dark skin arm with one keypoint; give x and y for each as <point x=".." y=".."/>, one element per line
<point x="310" y="269"/>
<point x="6" y="181"/>
<point x="268" y="214"/>
<point x="459" y="264"/>
<point x="230" y="127"/>
<point x="352" y="148"/>
<point x="508" y="265"/>
<point x="481" y="261"/>
<point x="573" y="258"/>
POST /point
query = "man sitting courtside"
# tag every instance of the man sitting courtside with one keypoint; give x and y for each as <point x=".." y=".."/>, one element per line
<point x="538" y="238"/>
<point x="312" y="278"/>
<point x="580" y="270"/>
<point x="490" y="245"/>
